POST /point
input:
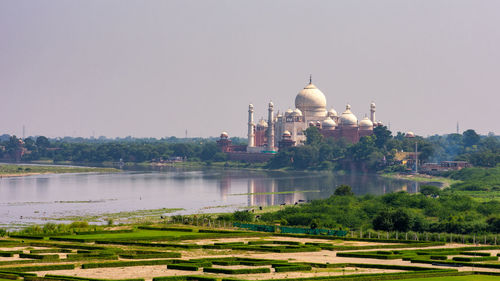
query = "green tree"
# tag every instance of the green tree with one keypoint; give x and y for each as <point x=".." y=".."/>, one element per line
<point x="429" y="190"/>
<point x="470" y="138"/>
<point x="313" y="136"/>
<point x="343" y="190"/>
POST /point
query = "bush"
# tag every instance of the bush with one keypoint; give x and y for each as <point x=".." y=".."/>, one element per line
<point x="183" y="266"/>
<point x="243" y="216"/>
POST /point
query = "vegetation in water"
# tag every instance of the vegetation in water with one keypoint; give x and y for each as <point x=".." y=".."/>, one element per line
<point x="12" y="169"/>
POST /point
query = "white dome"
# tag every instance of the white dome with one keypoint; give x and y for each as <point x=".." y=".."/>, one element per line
<point x="287" y="133"/>
<point x="410" y="135"/>
<point x="288" y="111"/>
<point x="329" y="124"/>
<point x="262" y="123"/>
<point x="348" y="118"/>
<point x="311" y="99"/>
<point x="366" y="124"/>
<point x="297" y="112"/>
<point x="332" y="112"/>
<point x="224" y="135"/>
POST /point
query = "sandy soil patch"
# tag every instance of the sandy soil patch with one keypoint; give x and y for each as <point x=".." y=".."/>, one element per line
<point x="148" y="272"/>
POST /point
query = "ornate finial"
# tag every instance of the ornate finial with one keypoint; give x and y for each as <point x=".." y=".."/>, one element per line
<point x="310" y="78"/>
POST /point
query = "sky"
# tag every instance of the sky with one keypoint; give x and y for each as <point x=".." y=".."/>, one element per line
<point x="121" y="68"/>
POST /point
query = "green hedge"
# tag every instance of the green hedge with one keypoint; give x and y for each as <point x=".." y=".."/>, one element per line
<point x="46" y="251"/>
<point x="293" y="268"/>
<point x="186" y="278"/>
<point x="471" y="259"/>
<point x="125" y="263"/>
<point x="481" y="254"/>
<point x="21" y="274"/>
<point x="151" y="256"/>
<point x="36" y="237"/>
<point x="443" y="258"/>
<point x="452" y="263"/>
<point x="237" y="271"/>
<point x="8" y="276"/>
<point x="39" y="257"/>
<point x="149" y="244"/>
<point x="183" y="266"/>
<point x="40" y="267"/>
<point x="51" y="277"/>
<point x="168" y="228"/>
<point x="369" y="256"/>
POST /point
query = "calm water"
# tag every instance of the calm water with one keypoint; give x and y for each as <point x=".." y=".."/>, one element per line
<point x="25" y="200"/>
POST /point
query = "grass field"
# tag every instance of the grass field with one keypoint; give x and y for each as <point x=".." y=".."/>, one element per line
<point x="459" y="278"/>
<point x="136" y="235"/>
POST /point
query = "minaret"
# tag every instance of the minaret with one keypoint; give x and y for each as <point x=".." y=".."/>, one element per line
<point x="270" y="127"/>
<point x="251" y="125"/>
<point x="372" y="112"/>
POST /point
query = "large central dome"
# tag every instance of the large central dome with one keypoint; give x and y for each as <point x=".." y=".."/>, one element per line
<point x="311" y="100"/>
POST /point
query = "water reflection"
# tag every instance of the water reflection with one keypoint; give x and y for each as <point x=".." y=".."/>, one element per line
<point x="40" y="197"/>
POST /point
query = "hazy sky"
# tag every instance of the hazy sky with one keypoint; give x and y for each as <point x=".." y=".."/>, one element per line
<point x="157" y="68"/>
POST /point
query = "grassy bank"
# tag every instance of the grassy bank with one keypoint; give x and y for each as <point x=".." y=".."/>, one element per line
<point x="446" y="182"/>
<point x="14" y="170"/>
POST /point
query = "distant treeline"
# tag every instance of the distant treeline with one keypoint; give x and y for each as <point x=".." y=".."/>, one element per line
<point x="380" y="151"/>
<point x="375" y="152"/>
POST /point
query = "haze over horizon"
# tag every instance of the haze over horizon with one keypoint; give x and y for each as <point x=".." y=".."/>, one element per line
<point x="156" y="68"/>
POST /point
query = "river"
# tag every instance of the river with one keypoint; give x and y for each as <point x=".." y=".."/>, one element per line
<point x="43" y="198"/>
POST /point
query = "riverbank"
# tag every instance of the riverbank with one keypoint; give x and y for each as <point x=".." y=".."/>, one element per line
<point x="15" y="170"/>
<point x="445" y="182"/>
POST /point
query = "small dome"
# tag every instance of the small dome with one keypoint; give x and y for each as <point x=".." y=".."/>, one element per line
<point x="287" y="133"/>
<point x="224" y="135"/>
<point x="311" y="123"/>
<point x="318" y="123"/>
<point x="348" y="118"/>
<point x="271" y="104"/>
<point x="372" y="106"/>
<point x="329" y="124"/>
<point x="366" y="124"/>
<point x="410" y="135"/>
<point x="297" y="112"/>
<point x="262" y="123"/>
<point x="311" y="99"/>
<point x="288" y="111"/>
<point x="250" y="106"/>
<point x="332" y="112"/>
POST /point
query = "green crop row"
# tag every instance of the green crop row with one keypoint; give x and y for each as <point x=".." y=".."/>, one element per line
<point x="125" y="263"/>
<point x="237" y="271"/>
